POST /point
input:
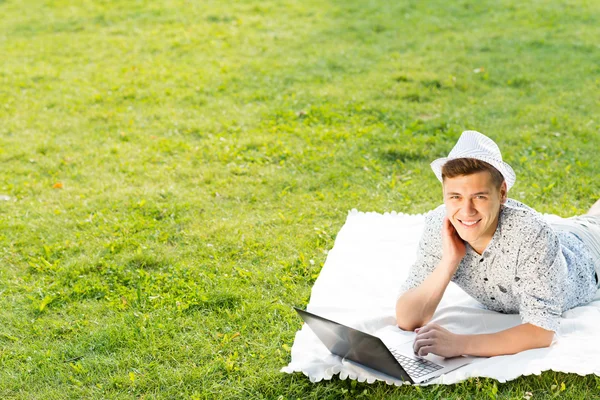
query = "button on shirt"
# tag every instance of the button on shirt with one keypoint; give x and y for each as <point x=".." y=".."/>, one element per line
<point x="527" y="268"/>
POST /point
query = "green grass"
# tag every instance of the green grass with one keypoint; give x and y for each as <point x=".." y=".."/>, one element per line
<point x="209" y="150"/>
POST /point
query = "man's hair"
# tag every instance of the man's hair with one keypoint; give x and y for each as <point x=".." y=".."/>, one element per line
<point x="468" y="166"/>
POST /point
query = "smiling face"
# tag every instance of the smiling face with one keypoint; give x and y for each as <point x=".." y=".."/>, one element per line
<point x="472" y="206"/>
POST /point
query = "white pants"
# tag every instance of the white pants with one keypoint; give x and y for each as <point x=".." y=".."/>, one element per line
<point x="587" y="228"/>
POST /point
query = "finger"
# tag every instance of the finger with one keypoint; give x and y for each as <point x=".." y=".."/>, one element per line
<point x="454" y="232"/>
<point x="426" y="336"/>
<point x="427" y="328"/>
<point x="418" y="344"/>
<point x="436" y="329"/>
<point x="433" y="333"/>
<point x="447" y="226"/>
<point x="424" y="351"/>
<point x="415" y="346"/>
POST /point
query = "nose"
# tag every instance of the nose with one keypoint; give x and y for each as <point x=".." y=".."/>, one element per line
<point x="469" y="208"/>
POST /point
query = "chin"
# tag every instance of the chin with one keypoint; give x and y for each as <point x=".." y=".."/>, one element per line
<point x="466" y="236"/>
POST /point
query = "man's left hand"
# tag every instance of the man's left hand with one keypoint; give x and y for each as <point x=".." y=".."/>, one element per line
<point x="432" y="338"/>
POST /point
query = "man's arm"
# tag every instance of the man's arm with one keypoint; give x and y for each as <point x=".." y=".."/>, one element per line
<point x="510" y="341"/>
<point x="416" y="307"/>
<point x="437" y="340"/>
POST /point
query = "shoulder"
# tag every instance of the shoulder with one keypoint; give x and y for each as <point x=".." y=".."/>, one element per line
<point x="435" y="218"/>
<point x="527" y="229"/>
<point x="437" y="214"/>
<point x="515" y="207"/>
<point x="431" y="237"/>
<point x="519" y="218"/>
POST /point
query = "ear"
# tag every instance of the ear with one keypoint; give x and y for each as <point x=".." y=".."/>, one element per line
<point x="503" y="193"/>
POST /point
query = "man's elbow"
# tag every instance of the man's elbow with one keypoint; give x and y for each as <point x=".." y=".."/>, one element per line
<point x="405" y="319"/>
<point x="404" y="322"/>
<point x="406" y="325"/>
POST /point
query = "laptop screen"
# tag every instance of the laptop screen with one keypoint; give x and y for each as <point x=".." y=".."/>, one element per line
<point x="354" y="345"/>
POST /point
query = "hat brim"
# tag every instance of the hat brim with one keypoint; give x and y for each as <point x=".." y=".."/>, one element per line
<point x="506" y="170"/>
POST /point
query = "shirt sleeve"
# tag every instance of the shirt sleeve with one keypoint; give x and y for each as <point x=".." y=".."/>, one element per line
<point x="428" y="254"/>
<point x="541" y="274"/>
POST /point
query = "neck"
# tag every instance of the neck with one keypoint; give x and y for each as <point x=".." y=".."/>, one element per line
<point x="480" y="248"/>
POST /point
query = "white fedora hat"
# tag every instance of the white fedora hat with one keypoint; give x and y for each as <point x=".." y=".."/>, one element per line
<point x="473" y="144"/>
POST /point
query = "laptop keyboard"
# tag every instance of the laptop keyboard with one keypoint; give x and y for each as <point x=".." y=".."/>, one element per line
<point x="415" y="368"/>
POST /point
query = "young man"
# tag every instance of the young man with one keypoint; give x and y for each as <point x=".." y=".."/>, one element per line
<point x="499" y="251"/>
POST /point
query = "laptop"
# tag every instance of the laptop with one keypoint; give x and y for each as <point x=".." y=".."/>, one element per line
<point x="398" y="360"/>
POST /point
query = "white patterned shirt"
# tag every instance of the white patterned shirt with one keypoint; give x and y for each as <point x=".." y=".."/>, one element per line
<point x="527" y="268"/>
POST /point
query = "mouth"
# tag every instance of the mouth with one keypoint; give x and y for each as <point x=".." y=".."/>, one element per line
<point x="469" y="224"/>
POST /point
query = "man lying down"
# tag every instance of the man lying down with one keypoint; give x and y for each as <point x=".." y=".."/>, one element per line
<point x="499" y="251"/>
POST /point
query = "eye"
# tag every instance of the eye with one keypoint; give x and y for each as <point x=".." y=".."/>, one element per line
<point x="481" y="197"/>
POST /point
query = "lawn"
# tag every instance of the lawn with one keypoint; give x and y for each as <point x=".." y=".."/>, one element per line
<point x="174" y="173"/>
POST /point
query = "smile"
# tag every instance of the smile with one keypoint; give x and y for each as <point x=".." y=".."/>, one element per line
<point x="469" y="223"/>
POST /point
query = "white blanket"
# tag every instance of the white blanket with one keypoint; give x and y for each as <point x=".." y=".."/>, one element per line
<point x="358" y="286"/>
